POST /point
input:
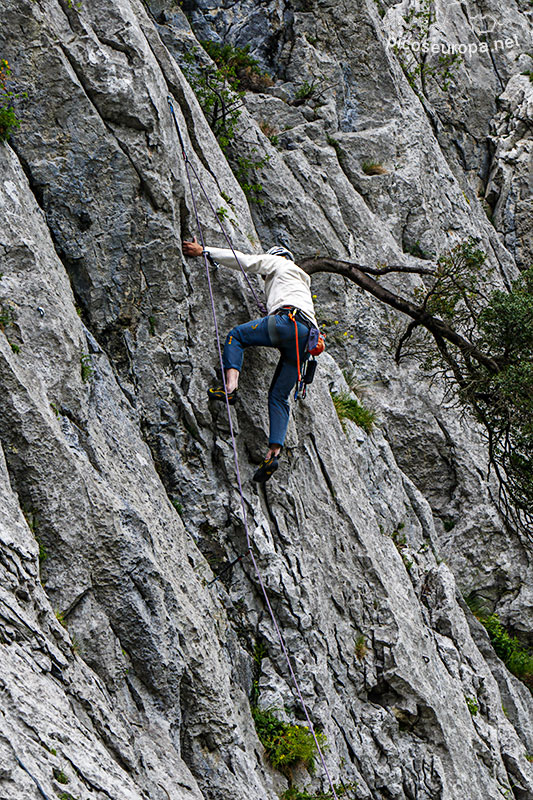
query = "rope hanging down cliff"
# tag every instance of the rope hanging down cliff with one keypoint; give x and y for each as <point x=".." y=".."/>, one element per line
<point x="189" y="167"/>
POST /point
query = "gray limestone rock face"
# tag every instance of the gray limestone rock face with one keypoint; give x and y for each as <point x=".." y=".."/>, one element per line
<point x="510" y="182"/>
<point x="126" y="671"/>
<point x="431" y="144"/>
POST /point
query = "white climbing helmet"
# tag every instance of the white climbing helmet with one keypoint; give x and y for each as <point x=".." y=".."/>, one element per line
<point x="280" y="251"/>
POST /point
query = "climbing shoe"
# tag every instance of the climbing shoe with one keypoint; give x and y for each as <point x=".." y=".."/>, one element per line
<point x="266" y="470"/>
<point x="218" y="393"/>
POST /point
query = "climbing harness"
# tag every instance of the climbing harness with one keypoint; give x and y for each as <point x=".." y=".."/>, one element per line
<point x="314" y="346"/>
<point x="188" y="169"/>
<point x="292" y="317"/>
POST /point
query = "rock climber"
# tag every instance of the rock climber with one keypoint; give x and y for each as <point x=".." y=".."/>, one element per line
<point x="287" y="289"/>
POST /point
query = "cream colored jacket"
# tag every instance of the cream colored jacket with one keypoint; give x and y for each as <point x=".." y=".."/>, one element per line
<point x="285" y="283"/>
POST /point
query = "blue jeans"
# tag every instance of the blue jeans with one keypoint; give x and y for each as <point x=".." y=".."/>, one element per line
<point x="274" y="331"/>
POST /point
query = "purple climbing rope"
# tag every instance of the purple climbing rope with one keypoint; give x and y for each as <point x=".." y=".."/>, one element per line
<point x="235" y="456"/>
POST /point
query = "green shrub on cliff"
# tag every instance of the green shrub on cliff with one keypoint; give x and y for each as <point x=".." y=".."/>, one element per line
<point x="8" y="119"/>
<point x="517" y="658"/>
<point x="286" y="745"/>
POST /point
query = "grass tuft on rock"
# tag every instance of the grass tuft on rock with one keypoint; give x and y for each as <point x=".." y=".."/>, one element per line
<point x="348" y="407"/>
<point x="374" y="168"/>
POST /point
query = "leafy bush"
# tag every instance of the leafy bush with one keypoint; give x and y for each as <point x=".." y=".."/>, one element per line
<point x="7" y="317"/>
<point x="418" y="68"/>
<point x="286" y="745"/>
<point x="347" y="407"/>
<point x="361" y="648"/>
<point x="86" y="367"/>
<point x="60" y="776"/>
<point x="8" y="119"/>
<point x="517" y="659"/>
<point x="505" y="397"/>
<point x="218" y="95"/>
<point x="305" y="91"/>
<point x="244" y="169"/>
<point x="512" y="652"/>
<point x="491" y="370"/>
<point x="243" y="71"/>
<point x="219" y="90"/>
<point x="472" y="704"/>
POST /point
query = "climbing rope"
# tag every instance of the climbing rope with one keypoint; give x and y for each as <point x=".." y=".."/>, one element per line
<point x="34" y="779"/>
<point x="188" y="168"/>
<point x="189" y="164"/>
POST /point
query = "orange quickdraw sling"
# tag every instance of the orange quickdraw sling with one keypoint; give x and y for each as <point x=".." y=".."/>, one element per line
<point x="292" y="315"/>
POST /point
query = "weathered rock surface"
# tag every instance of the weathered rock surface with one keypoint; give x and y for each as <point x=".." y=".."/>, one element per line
<point x="114" y="462"/>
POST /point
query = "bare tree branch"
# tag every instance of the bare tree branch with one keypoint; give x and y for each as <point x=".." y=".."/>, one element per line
<point x="437" y="327"/>
<point x="398" y="268"/>
<point x="406" y="335"/>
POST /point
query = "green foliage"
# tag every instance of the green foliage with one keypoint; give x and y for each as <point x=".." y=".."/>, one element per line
<point x="60" y="616"/>
<point x="517" y="658"/>
<point x="348" y="407"/>
<point x="260" y="652"/>
<point x="218" y="93"/>
<point x="151" y="325"/>
<point x="415" y="250"/>
<point x="270" y="131"/>
<point x="361" y="648"/>
<point x="243" y="71"/>
<point x="43" y="554"/>
<point x="87" y="369"/>
<point x="244" y="170"/>
<point x="306" y="91"/>
<point x="7" y="317"/>
<point x="472" y="704"/>
<point x="492" y="374"/>
<point x="415" y="60"/>
<point x="220" y="87"/>
<point x="8" y="122"/>
<point x="60" y="776"/>
<point x="67" y="796"/>
<point x="505" y="398"/>
<point x="14" y="347"/>
<point x="229" y="200"/>
<point x="219" y="90"/>
<point x="400" y="542"/>
<point x="381" y="7"/>
<point x="177" y="505"/>
<point x="286" y="745"/>
<point x="455" y="291"/>
<point x="8" y="119"/>
<point x="337" y="147"/>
